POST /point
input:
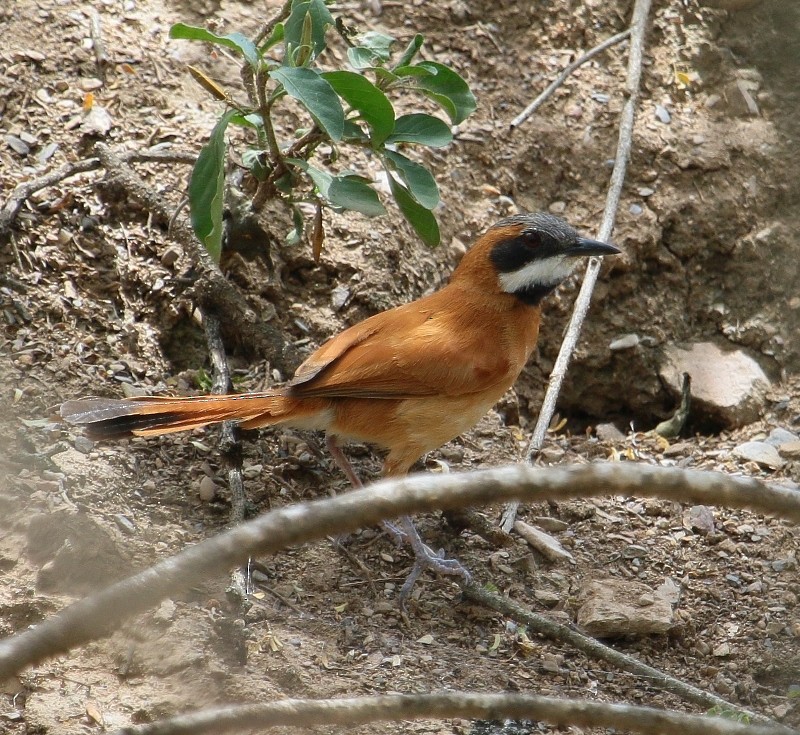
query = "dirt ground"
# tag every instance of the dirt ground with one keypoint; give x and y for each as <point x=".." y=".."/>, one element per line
<point x="93" y="302"/>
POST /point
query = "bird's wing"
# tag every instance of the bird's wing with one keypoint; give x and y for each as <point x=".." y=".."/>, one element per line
<point x="419" y="349"/>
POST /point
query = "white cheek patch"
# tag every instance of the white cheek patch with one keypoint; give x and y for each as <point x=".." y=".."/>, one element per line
<point x="545" y="272"/>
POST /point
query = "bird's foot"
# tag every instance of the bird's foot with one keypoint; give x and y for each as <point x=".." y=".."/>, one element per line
<point x="426" y="558"/>
<point x="397" y="534"/>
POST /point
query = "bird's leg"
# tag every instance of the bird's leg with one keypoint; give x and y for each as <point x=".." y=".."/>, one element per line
<point x="426" y="558"/>
<point x="398" y="535"/>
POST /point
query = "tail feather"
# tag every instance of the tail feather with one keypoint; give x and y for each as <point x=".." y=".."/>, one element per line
<point x="107" y="418"/>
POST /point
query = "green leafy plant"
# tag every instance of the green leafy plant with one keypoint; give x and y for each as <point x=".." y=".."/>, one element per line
<point x="347" y="109"/>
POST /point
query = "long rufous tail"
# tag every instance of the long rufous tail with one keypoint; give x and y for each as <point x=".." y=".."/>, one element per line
<point x="108" y="418"/>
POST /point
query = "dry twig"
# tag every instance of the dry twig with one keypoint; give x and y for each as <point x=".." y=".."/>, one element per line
<point x="638" y="26"/>
<point x="561" y="78"/>
<point x="98" y="615"/>
<point x="230" y="442"/>
<point x="556" y="632"/>
<point x="362" y="710"/>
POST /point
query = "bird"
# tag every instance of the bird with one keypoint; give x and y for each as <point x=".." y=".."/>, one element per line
<point x="408" y="379"/>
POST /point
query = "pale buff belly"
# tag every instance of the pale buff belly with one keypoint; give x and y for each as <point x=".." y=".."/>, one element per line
<point x="410" y="427"/>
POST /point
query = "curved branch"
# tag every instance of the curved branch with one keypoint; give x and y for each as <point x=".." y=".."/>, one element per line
<point x="363" y="710"/>
<point x="97" y="616"/>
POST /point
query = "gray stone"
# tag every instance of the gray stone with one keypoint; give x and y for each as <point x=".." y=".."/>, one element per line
<point x="626" y="342"/>
<point x="778" y="437"/>
<point x="729" y="387"/>
<point x="761" y="453"/>
<point x="608" y="433"/>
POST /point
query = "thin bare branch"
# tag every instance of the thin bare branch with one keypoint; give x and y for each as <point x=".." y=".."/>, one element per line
<point x="638" y="27"/>
<point x="595" y="649"/>
<point x="25" y="190"/>
<point x="97" y="616"/>
<point x="230" y="442"/>
<point x="362" y="710"/>
<point x="561" y="78"/>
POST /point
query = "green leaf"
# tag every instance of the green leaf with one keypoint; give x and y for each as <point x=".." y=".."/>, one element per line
<point x="352" y="131"/>
<point x="206" y="189"/>
<point x="448" y="89"/>
<point x="277" y="35"/>
<point x="251" y="120"/>
<point x="351" y="193"/>
<point x="411" y="50"/>
<point x="322" y="179"/>
<point x="421" y="219"/>
<point x="254" y="160"/>
<point x="378" y="43"/>
<point x="422" y="129"/>
<point x="316" y="95"/>
<point x="362" y="95"/>
<point x="411" y="71"/>
<point x="360" y="58"/>
<point x="418" y="180"/>
<point x="321" y="18"/>
<point x="235" y="41"/>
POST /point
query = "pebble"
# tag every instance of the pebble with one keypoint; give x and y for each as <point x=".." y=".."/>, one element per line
<point x="781" y="436"/>
<point x="763" y="454"/>
<point x="339" y="297"/>
<point x="125" y="524"/>
<point x="662" y="114"/>
<point x="635" y="209"/>
<point x="626" y="342"/>
<point x="83" y="445"/>
<point x="790" y="450"/>
<point x="608" y="433"/>
<point x="557" y="208"/>
<point x="17" y="145"/>
<point x="170" y="256"/>
<point x="553" y="525"/>
<point x="207" y="490"/>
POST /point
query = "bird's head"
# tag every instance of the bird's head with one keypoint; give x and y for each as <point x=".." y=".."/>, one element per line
<point x="527" y="255"/>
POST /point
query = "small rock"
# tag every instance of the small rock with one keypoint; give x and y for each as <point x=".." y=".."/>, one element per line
<point x="790" y="450"/>
<point x="339" y="297"/>
<point x="761" y="453"/>
<point x="645" y="191"/>
<point x="635" y="209"/>
<point x="96" y="122"/>
<point x="133" y="391"/>
<point x="700" y="519"/>
<point x="170" y="256"/>
<point x="626" y="342"/>
<point x="608" y="433"/>
<point x="207" y="489"/>
<point x="553" y="525"/>
<point x="727" y="386"/>
<point x="722" y="650"/>
<point x="662" y="114"/>
<point x="17" y="145"/>
<point x="82" y="444"/>
<point x="543" y="542"/>
<point x="557" y="207"/>
<point x="165" y="612"/>
<point x="778" y="437"/>
<point x="125" y="524"/>
<point x="548" y="598"/>
<point x="612" y="608"/>
<point x="552" y="455"/>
